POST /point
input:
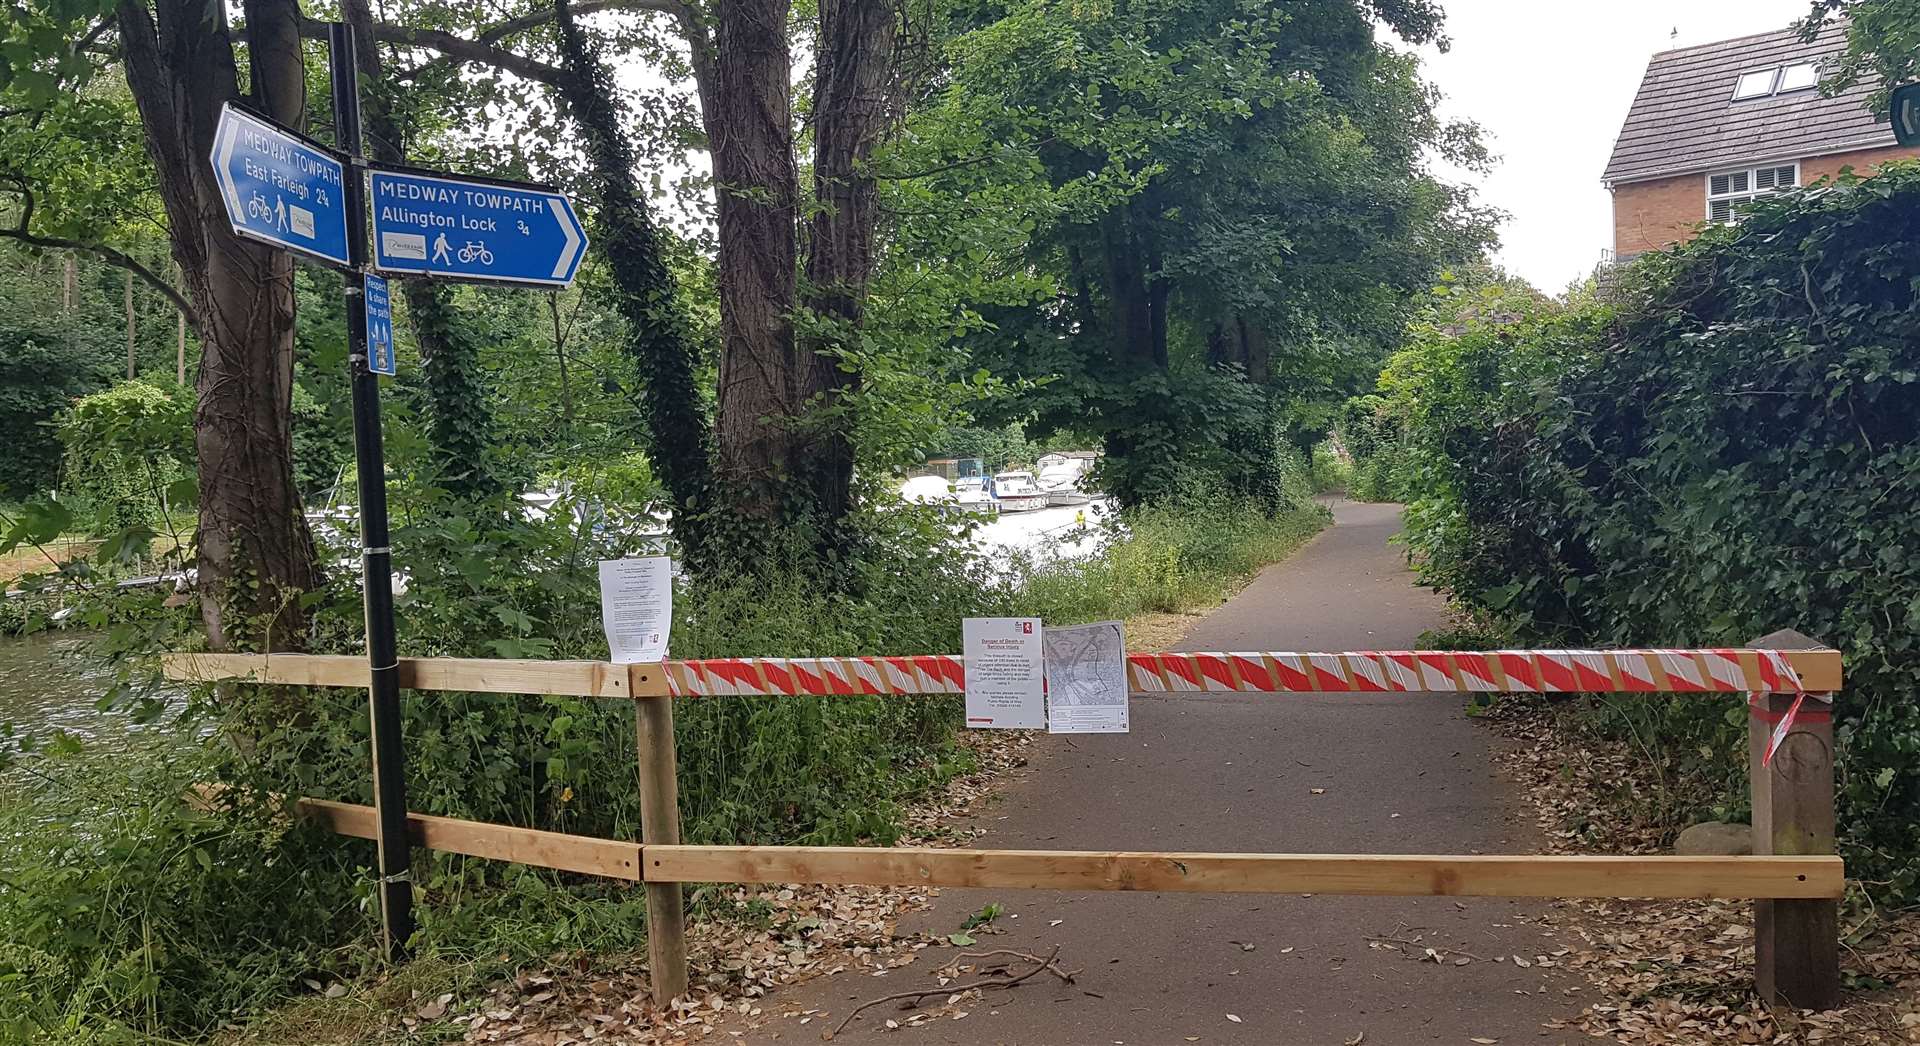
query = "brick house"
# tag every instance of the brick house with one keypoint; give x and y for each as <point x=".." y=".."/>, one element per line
<point x="1715" y="125"/>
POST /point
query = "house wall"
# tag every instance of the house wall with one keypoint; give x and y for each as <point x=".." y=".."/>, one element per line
<point x="1661" y="211"/>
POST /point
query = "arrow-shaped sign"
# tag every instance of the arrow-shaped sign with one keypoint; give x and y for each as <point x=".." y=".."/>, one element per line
<point x="433" y="225"/>
<point x="280" y="187"/>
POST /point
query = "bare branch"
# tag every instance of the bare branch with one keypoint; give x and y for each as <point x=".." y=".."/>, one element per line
<point x="541" y="17"/>
<point x="448" y="44"/>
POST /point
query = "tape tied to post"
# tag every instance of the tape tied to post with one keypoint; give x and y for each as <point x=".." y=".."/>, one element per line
<point x="1758" y="701"/>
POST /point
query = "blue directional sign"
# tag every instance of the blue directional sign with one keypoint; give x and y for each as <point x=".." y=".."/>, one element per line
<point x="379" y="327"/>
<point x="474" y="230"/>
<point x="280" y="187"/>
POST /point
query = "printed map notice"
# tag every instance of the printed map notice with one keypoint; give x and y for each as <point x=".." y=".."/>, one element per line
<point x="1005" y="681"/>
<point x="1087" y="679"/>
<point x="636" y="607"/>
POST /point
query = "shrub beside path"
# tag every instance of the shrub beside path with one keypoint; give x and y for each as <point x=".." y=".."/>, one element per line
<point x="1368" y="773"/>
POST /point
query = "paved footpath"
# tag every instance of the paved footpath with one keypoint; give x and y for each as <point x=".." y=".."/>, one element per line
<point x="1401" y="773"/>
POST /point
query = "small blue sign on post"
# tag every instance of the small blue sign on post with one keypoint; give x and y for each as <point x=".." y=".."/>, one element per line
<point x="379" y="326"/>
<point x="474" y="230"/>
<point x="279" y="187"/>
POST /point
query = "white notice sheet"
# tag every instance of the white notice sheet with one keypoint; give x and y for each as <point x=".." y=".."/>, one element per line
<point x="1087" y="679"/>
<point x="636" y="607"/>
<point x="1004" y="677"/>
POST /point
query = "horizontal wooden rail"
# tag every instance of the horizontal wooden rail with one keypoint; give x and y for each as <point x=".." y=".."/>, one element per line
<point x="471" y="674"/>
<point x="1344" y="874"/>
<point x="1413" y="671"/>
<point x="567" y="853"/>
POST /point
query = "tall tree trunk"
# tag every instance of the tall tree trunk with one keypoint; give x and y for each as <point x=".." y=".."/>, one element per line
<point x="678" y="431"/>
<point x="255" y="554"/>
<point x="1130" y="307"/>
<point x="459" y="400"/>
<point x="748" y="111"/>
<point x="851" y="101"/>
<point x="1254" y="351"/>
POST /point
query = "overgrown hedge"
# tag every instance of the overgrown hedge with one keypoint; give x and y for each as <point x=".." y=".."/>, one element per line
<point x="1725" y="441"/>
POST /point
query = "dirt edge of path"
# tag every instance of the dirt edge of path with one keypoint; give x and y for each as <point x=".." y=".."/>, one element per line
<point x="1674" y="972"/>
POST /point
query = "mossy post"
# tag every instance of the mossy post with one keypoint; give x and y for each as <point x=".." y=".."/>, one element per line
<point x="660" y="825"/>
<point x="1796" y="951"/>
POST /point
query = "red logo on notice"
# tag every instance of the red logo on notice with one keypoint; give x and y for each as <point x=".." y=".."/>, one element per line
<point x="1026" y="628"/>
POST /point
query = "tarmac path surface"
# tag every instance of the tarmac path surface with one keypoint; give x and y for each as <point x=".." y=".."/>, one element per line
<point x="1401" y="773"/>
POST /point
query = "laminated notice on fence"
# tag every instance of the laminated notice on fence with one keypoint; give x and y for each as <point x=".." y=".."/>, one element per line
<point x="1005" y="677"/>
<point x="1086" y="679"/>
<point x="636" y="607"/>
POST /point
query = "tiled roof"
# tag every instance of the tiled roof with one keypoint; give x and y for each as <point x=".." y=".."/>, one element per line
<point x="1684" y="118"/>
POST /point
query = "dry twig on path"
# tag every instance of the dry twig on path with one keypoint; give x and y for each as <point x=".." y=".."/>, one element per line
<point x="954" y="989"/>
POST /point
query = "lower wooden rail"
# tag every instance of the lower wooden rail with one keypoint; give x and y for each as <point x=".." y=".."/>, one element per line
<point x="1378" y="875"/>
<point x="567" y="853"/>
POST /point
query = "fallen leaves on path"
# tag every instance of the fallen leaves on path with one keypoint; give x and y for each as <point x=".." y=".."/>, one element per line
<point x="1681" y="972"/>
<point x="740" y="953"/>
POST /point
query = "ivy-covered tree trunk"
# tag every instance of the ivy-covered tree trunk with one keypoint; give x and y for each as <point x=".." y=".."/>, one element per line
<point x="748" y="112"/>
<point x="255" y="555"/>
<point x="459" y="400"/>
<point x="851" y="101"/>
<point x="624" y="231"/>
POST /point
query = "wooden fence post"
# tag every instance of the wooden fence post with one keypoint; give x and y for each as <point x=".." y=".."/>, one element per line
<point x="660" y="824"/>
<point x="1796" y="942"/>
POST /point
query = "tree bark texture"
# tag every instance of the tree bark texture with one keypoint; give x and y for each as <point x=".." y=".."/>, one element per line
<point x="853" y="77"/>
<point x="663" y="355"/>
<point x="763" y="381"/>
<point x="255" y="555"/>
<point x="459" y="400"/>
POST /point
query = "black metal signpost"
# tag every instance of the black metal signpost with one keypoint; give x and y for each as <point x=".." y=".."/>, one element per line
<point x="376" y="557"/>
<point x="287" y="190"/>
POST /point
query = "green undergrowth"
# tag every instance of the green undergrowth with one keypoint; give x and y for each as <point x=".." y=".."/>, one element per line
<point x="129" y="916"/>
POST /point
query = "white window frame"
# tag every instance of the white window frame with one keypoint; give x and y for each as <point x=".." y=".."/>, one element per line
<point x="1776" y="80"/>
<point x="1773" y="79"/>
<point x="1750" y="192"/>
<point x="1780" y="82"/>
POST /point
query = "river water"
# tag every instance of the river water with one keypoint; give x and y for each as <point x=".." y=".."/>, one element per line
<point x="47" y="682"/>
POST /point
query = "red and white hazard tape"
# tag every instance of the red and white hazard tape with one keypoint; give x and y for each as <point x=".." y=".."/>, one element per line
<point x="1782" y="726"/>
<point x="1399" y="671"/>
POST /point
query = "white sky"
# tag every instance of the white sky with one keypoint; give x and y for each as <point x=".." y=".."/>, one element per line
<point x="1550" y="81"/>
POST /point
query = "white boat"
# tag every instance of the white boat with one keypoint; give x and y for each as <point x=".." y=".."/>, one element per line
<point x="971" y="494"/>
<point x="926" y="490"/>
<point x="1061" y="481"/>
<point x="1018" y="492"/>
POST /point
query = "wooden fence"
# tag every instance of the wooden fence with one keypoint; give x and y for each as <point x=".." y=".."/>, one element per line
<point x="1793" y="877"/>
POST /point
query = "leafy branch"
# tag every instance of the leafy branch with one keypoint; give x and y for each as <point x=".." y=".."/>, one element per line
<point x="22" y="232"/>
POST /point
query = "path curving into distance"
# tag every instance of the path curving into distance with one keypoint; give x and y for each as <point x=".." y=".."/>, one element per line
<point x="1401" y="773"/>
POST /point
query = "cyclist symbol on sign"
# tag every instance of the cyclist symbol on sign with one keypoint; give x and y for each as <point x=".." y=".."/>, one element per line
<point x="476" y="250"/>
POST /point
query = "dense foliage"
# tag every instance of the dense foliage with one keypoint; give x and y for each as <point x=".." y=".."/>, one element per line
<point x="1192" y="222"/>
<point x="1725" y="442"/>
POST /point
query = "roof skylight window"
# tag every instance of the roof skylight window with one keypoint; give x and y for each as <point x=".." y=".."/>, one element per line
<point x="1778" y="80"/>
<point x="1756" y="84"/>
<point x="1798" y="77"/>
